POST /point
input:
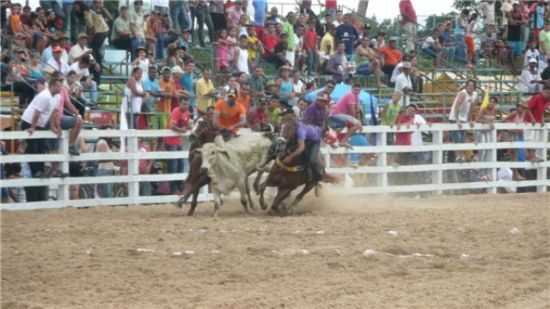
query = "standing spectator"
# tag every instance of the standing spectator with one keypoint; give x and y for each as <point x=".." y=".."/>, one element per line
<point x="241" y="56"/>
<point x="515" y="24"/>
<point x="257" y="83"/>
<point x="137" y="31"/>
<point x="544" y="40"/>
<point x="328" y="44"/>
<point x="180" y="120"/>
<point x="133" y="99"/>
<point x="36" y="117"/>
<point x="96" y="24"/>
<point x="408" y="23"/>
<point x="223" y="44"/>
<point x="121" y="37"/>
<point x="392" y="56"/>
<point x="539" y="103"/>
<point x="152" y="87"/>
<point x="403" y="85"/>
<point x="188" y="83"/>
<point x="367" y="61"/>
<point x="530" y="78"/>
<point x="284" y="85"/>
<point x="260" y="10"/>
<point x="288" y="28"/>
<point x="348" y="35"/>
<point x="217" y="16"/>
<point x="233" y="13"/>
<point x="460" y="113"/>
<point x="487" y="116"/>
<point x="469" y="39"/>
<point x="310" y="48"/>
<point x="168" y="88"/>
<point x="205" y="92"/>
<point x="487" y="8"/>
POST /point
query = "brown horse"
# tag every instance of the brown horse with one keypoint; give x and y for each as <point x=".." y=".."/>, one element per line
<point x="286" y="177"/>
<point x="203" y="132"/>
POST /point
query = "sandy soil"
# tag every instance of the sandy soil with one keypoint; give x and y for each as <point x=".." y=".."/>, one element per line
<point x="479" y="251"/>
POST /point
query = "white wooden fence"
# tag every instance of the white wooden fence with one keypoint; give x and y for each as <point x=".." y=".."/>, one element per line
<point x="381" y="170"/>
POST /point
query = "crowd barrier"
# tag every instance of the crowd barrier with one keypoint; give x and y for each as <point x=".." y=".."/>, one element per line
<point x="380" y="169"/>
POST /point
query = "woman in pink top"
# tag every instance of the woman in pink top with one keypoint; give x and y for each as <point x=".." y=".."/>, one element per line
<point x="345" y="113"/>
<point x="222" y="51"/>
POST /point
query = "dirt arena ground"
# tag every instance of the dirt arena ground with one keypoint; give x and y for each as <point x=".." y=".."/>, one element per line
<point x="479" y="251"/>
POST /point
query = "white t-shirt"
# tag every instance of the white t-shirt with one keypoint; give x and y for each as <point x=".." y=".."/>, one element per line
<point x="525" y="79"/>
<point x="298" y="87"/>
<point x="401" y="82"/>
<point x="462" y="113"/>
<point x="242" y="61"/>
<point x="416" y="137"/>
<point x="43" y="102"/>
<point x="429" y="42"/>
<point x="61" y="66"/>
<point x="77" y="51"/>
<point x="81" y="72"/>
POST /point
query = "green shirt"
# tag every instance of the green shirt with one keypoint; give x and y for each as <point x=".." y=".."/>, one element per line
<point x="544" y="38"/>
<point x="289" y="30"/>
<point x="391" y="113"/>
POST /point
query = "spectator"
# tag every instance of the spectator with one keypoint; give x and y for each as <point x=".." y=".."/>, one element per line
<point x="255" y="47"/>
<point x="487" y="116"/>
<point x="469" y="39"/>
<point x="403" y="85"/>
<point x="327" y="46"/>
<point x="205" y="92"/>
<point x="284" y="83"/>
<point x="105" y="168"/>
<point x="338" y="65"/>
<point x="141" y="60"/>
<point x="57" y="63"/>
<point x="392" y="56"/>
<point x="544" y="40"/>
<point x="408" y="23"/>
<point x="241" y="57"/>
<point x="121" y="37"/>
<point x="151" y="86"/>
<point x="432" y="47"/>
<point x="533" y="53"/>
<point x="460" y="113"/>
<point x="274" y="111"/>
<point x="188" y="84"/>
<point x="348" y="35"/>
<point x="345" y="114"/>
<point x="366" y="60"/>
<point x="137" y="31"/>
<point x="82" y="69"/>
<point x="529" y="81"/>
<point x="80" y="48"/>
<point x="539" y="103"/>
<point x="310" y="48"/>
<point x="180" y="120"/>
<point x="515" y="24"/>
<point x="133" y="99"/>
<point x="37" y="117"/>
<point x="95" y="22"/>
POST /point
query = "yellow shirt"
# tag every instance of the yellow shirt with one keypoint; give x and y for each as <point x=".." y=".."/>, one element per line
<point x="327" y="45"/>
<point x="252" y="49"/>
<point x="203" y="88"/>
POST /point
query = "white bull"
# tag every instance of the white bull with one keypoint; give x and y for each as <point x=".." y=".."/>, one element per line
<point x="230" y="163"/>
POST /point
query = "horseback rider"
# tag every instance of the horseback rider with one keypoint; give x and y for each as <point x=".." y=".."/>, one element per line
<point x="308" y="143"/>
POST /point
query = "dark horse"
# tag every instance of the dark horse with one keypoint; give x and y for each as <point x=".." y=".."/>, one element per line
<point x="203" y="132"/>
<point x="286" y="177"/>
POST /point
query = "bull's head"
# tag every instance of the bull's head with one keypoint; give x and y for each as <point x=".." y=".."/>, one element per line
<point x="212" y="153"/>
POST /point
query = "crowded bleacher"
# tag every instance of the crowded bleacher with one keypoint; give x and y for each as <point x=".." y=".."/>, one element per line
<point x="82" y="64"/>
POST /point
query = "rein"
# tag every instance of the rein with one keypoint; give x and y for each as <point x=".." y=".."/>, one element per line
<point x="292" y="169"/>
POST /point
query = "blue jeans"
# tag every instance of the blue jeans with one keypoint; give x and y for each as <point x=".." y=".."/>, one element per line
<point x="176" y="166"/>
<point x="105" y="190"/>
<point x="179" y="13"/>
<point x="363" y="69"/>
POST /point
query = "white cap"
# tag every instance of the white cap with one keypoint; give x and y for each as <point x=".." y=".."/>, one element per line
<point x="406" y="65"/>
<point x="532" y="60"/>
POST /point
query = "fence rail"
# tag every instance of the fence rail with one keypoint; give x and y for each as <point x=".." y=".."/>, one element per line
<point x="382" y="170"/>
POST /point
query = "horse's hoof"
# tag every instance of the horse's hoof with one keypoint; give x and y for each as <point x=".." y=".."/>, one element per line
<point x="179" y="204"/>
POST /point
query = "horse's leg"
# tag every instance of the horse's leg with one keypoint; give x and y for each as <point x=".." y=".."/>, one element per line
<point x="308" y="187"/>
<point x="191" y="211"/>
<point x="263" y="205"/>
<point x="282" y="194"/>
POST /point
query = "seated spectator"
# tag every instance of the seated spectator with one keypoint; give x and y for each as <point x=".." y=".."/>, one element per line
<point x="56" y="63"/>
<point x="529" y="81"/>
<point x="121" y="35"/>
<point x="338" y="65"/>
<point x="328" y="44"/>
<point x="392" y="56"/>
<point x="274" y="111"/>
<point x="81" y="68"/>
<point x="432" y="47"/>
<point x="80" y="49"/>
<point x="367" y="61"/>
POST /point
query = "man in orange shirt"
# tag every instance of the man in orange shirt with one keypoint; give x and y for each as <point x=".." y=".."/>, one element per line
<point x="168" y="88"/>
<point x="228" y="114"/>
<point x="392" y="56"/>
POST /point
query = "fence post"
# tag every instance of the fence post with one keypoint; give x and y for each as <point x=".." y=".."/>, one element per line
<point x="63" y="189"/>
<point x="382" y="160"/>
<point x="437" y="159"/>
<point x="493" y="153"/>
<point x="133" y="166"/>
<point x="542" y="171"/>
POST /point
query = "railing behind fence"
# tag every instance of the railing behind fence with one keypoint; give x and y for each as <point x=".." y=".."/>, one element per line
<point x="380" y="170"/>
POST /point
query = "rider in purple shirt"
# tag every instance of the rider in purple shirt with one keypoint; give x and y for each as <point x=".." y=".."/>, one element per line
<point x="317" y="113"/>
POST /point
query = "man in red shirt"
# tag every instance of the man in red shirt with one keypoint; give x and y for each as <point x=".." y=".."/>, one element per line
<point x="408" y="23"/>
<point x="310" y="47"/>
<point x="539" y="103"/>
<point x="179" y="122"/>
<point x="270" y="39"/>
